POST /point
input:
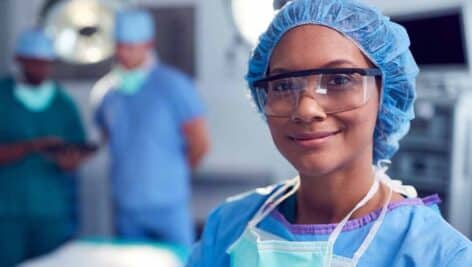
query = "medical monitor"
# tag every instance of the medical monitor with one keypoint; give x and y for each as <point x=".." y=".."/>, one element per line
<point x="438" y="39"/>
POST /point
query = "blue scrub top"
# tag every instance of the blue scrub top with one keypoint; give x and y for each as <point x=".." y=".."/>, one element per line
<point x="149" y="165"/>
<point x="412" y="234"/>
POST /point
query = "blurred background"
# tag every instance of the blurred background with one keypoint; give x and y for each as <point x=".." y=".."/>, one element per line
<point x="210" y="41"/>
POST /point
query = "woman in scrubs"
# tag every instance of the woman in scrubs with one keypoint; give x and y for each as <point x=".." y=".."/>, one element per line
<point x="335" y="81"/>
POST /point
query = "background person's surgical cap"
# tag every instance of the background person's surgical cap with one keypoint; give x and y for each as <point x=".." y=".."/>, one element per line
<point x="34" y="43"/>
<point x="384" y="42"/>
<point x="134" y="26"/>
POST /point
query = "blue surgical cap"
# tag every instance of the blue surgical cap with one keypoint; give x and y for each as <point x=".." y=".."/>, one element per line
<point x="134" y="26"/>
<point x="34" y="43"/>
<point x="384" y="42"/>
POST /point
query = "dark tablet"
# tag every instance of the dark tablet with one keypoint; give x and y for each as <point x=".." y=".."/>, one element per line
<point x="85" y="148"/>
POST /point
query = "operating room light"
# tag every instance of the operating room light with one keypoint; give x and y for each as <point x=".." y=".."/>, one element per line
<point x="252" y="17"/>
<point x="82" y="30"/>
<point x="84" y="13"/>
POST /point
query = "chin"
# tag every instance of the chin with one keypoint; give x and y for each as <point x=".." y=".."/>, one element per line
<point x="128" y="66"/>
<point x="312" y="161"/>
<point x="315" y="166"/>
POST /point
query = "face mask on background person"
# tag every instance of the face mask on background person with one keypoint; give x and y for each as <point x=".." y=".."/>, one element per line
<point x="35" y="98"/>
<point x="130" y="81"/>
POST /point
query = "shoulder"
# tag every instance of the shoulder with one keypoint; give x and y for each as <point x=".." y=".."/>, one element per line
<point x="425" y="219"/>
<point x="6" y="81"/>
<point x="63" y="96"/>
<point x="427" y="229"/>
<point x="6" y="85"/>
<point x="6" y="97"/>
<point x="243" y="205"/>
<point x="165" y="69"/>
<point x="225" y="224"/>
<point x="62" y="93"/>
<point x="237" y="210"/>
<point x="168" y="74"/>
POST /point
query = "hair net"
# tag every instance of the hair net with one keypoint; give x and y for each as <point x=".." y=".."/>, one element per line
<point x="134" y="26"/>
<point x="384" y="42"/>
<point x="34" y="43"/>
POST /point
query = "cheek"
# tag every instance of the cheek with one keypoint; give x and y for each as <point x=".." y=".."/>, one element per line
<point x="143" y="54"/>
<point x="279" y="138"/>
<point x="125" y="54"/>
<point x="121" y="57"/>
<point x="359" y="129"/>
<point x="275" y="130"/>
<point x="361" y="122"/>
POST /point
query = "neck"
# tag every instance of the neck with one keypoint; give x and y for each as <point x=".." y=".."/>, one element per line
<point x="329" y="198"/>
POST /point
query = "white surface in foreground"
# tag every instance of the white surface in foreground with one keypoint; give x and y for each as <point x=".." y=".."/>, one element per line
<point x="79" y="254"/>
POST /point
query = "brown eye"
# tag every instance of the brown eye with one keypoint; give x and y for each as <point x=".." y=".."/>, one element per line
<point x="339" y="80"/>
<point x="285" y="85"/>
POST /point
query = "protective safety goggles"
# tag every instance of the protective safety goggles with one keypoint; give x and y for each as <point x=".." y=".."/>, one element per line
<point x="335" y="90"/>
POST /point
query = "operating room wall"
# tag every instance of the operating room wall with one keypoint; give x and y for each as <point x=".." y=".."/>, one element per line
<point x="241" y="143"/>
<point x="14" y="16"/>
<point x="4" y="55"/>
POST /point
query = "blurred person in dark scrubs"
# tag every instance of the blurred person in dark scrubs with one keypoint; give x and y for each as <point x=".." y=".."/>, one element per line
<point x="37" y="187"/>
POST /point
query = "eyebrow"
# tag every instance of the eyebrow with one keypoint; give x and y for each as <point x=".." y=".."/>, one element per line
<point x="330" y="64"/>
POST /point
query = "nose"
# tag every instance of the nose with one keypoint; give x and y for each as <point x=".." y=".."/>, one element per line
<point x="308" y="109"/>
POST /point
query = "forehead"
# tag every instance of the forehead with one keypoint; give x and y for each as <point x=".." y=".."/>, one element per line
<point x="133" y="46"/>
<point x="315" y="46"/>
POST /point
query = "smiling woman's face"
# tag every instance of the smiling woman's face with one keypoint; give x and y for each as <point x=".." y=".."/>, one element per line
<point x="314" y="142"/>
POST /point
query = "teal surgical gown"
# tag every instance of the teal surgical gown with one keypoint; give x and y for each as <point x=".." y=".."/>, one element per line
<point x="413" y="233"/>
<point x="37" y="199"/>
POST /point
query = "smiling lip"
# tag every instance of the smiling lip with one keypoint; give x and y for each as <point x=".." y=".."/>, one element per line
<point x="311" y="140"/>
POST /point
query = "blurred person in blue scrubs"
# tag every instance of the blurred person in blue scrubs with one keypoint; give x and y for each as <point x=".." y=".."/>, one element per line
<point x="37" y="188"/>
<point x="335" y="81"/>
<point x="153" y="120"/>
